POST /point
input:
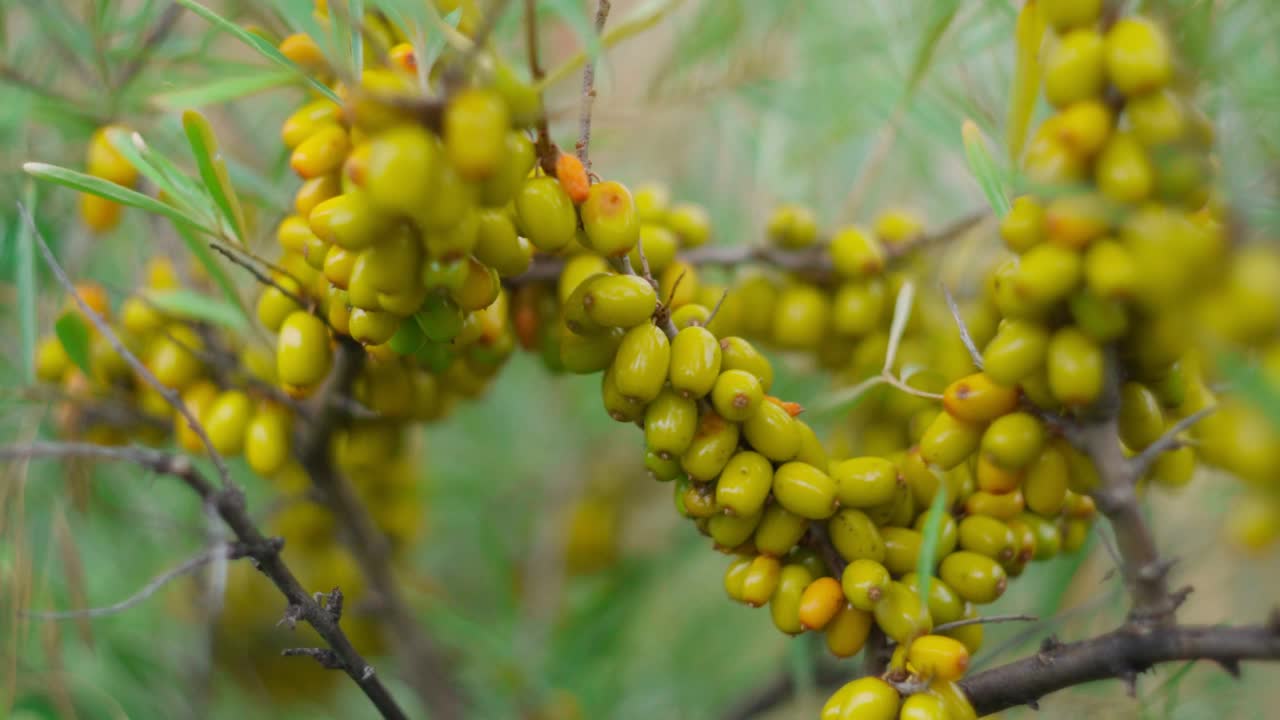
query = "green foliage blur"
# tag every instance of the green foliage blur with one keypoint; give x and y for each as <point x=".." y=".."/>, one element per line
<point x="734" y="104"/>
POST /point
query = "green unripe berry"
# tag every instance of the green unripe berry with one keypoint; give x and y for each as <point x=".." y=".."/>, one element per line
<point x="498" y="246"/>
<point x="856" y="537"/>
<point x="1016" y="351"/>
<point x="901" y="548"/>
<point x="863" y="482"/>
<point x="793" y="227"/>
<point x="1076" y="368"/>
<point x="858" y="307"/>
<point x="403" y="168"/>
<point x="546" y="214"/>
<point x="987" y="536"/>
<point x="805" y="490"/>
<point x="779" y="530"/>
<point x="744" y="484"/>
<point x="800" y="317"/>
<point x="622" y="301"/>
<point x="868" y="698"/>
<point x="902" y="615"/>
<point x="476" y="124"/>
<point x="713" y="444"/>
<point x="739" y="354"/>
<point x="855" y="254"/>
<point x="737" y="395"/>
<point x="610" y="219"/>
<point x="695" y="361"/>
<point x="1014" y="441"/>
<point x="642" y="362"/>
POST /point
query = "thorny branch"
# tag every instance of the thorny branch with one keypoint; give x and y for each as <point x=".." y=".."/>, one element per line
<point x="589" y="90"/>
<point x="228" y="502"/>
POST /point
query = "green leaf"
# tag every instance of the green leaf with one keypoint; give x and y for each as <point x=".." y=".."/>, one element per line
<point x="25" y="280"/>
<point x="192" y="305"/>
<point x="205" y="257"/>
<point x="944" y="13"/>
<point x="111" y="191"/>
<point x="263" y="47"/>
<point x="179" y="190"/>
<point x="984" y="169"/>
<point x="73" y="333"/>
<point x="204" y="146"/>
<point x="1251" y="384"/>
<point x="223" y="90"/>
<point x="929" y="543"/>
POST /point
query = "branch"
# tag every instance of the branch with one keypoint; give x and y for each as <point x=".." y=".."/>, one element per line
<point x="546" y="151"/>
<point x="229" y="504"/>
<point x="1143" y="461"/>
<point x="1122" y="654"/>
<point x="589" y="89"/>
<point x="419" y="656"/>
<point x="170" y="396"/>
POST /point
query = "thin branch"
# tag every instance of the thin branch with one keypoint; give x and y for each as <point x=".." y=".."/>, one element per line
<point x="190" y="565"/>
<point x="965" y="337"/>
<point x="987" y="620"/>
<point x="170" y="396"/>
<point x="1143" y="461"/>
<point x="589" y="89"/>
<point x="546" y="151"/>
<point x="1122" y="654"/>
<point x="229" y="503"/>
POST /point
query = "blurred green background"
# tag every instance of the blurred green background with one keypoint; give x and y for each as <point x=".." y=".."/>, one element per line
<point x="735" y="104"/>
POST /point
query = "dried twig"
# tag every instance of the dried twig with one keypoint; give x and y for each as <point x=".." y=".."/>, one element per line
<point x="589" y="90"/>
<point x="1143" y="461"/>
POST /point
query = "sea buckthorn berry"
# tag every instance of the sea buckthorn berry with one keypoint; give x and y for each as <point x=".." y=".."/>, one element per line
<point x="99" y="214"/>
<point x="197" y="397"/>
<point x="953" y="697"/>
<point x="737" y="395"/>
<point x="172" y="357"/>
<point x="267" y="440"/>
<point x="901" y="548"/>
<point x="898" y="226"/>
<point x="1023" y="226"/>
<point x="1014" y="440"/>
<point x="820" y="602"/>
<point x="847" y="632"/>
<point x="652" y="201"/>
<point x="1066" y="15"/>
<point x="303" y="50"/>
<point x="573" y="177"/>
<point x="760" y="580"/>
<point x="744" y="483"/>
<point x="996" y="479"/>
<point x="475" y="130"/>
<point x="479" y="289"/>
<point x="303" y="356"/>
<point x="690" y="223"/>
<point x="793" y="227"/>
<point x="779" y="530"/>
<point x="545" y="214"/>
<point x="1253" y="523"/>
<point x="1017" y="350"/>
<point x="1075" y="534"/>
<point x="642" y="362"/>
<point x="944" y="604"/>
<point x="498" y="245"/>
<point x="1174" y="469"/>
<point x="1047" y="274"/>
<point x="1047" y="161"/>
<point x="1138" y="56"/>
<point x="987" y="536"/>
<point x="588" y="354"/>
<point x="322" y="153"/>
<point x="739" y="354"/>
<point x="855" y="254"/>
<point x="623" y="409"/>
<point x="623" y="301"/>
<point x="1084" y="127"/>
<point x="338" y="264"/>
<point x="348" y="220"/>
<point x="1101" y="319"/>
<point x="858" y="307"/>
<point x="805" y="490"/>
<point x="306" y="120"/>
<point x="773" y="430"/>
<point x="226" y="420"/>
<point x="921" y="706"/>
<point x="660" y="468"/>
<point x="691" y="314"/>
<point x="659" y="245"/>
<point x="403" y="169"/>
<point x="51" y="361"/>
<point x="610" y="219"/>
<point x="868" y="698"/>
<point x="714" y="442"/>
<point x="1076" y="367"/>
<point x="106" y="162"/>
<point x="1073" y="221"/>
<point x="1141" y="419"/>
<point x="1044" y="487"/>
<point x="1123" y="172"/>
<point x="517" y="160"/>
<point x="856" y="537"/>
<point x="1156" y="118"/>
<point x="901" y="614"/>
<point x="1003" y="505"/>
<point x="946" y="532"/>
<point x="977" y="578"/>
<point x="948" y="441"/>
<point x="522" y="99"/>
<point x="938" y="657"/>
<point x="800" y="317"/>
<point x="373" y="327"/>
<point x="695" y="361"/>
<point x="784" y="606"/>
<point x="274" y="305"/>
<point x="313" y="192"/>
<point x="865" y="481"/>
<point x="1048" y="538"/>
<point x="1074" y="68"/>
<point x="977" y="398"/>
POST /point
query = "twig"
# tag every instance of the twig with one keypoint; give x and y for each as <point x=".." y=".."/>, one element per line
<point x="987" y="620"/>
<point x="965" y="337"/>
<point x="546" y="151"/>
<point x="229" y="504"/>
<point x="190" y="565"/>
<point x="265" y="279"/>
<point x="430" y="671"/>
<point x="1143" y="461"/>
<point x="1122" y="654"/>
<point x="170" y="396"/>
<point x="589" y="89"/>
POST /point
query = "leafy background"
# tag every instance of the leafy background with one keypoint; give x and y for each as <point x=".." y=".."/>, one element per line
<point x="736" y="105"/>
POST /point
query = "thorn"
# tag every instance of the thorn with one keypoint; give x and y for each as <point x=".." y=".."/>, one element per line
<point x="1050" y="644"/>
<point x="368" y="673"/>
<point x="1034" y="704"/>
<point x="333" y="604"/>
<point x="292" y="615"/>
<point x="1231" y="666"/>
<point x="328" y="659"/>
<point x="1178" y="597"/>
<point x="1130" y="680"/>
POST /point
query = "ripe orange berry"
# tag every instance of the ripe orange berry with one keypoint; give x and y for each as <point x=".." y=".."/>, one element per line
<point x="820" y="602"/>
<point x="573" y="177"/>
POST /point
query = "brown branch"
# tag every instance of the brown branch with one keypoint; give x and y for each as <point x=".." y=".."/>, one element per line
<point x="429" y="669"/>
<point x="229" y="503"/>
<point x="589" y="89"/>
<point x="546" y="151"/>
<point x="1122" y="654"/>
<point x="1143" y="461"/>
<point x="170" y="395"/>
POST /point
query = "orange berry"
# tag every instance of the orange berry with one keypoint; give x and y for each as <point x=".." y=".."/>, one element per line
<point x="820" y="602"/>
<point x="573" y="177"/>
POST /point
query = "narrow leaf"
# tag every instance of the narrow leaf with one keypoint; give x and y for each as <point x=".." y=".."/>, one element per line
<point x="205" y="257"/>
<point x="192" y="305"/>
<point x="929" y="543"/>
<point x="73" y="333"/>
<point x="25" y="271"/>
<point x="223" y="90"/>
<point x="176" y="188"/>
<point x="945" y="12"/>
<point x="901" y="314"/>
<point x="1028" y="32"/>
<point x="263" y="47"/>
<point x="111" y="191"/>
<point x="204" y="146"/>
<point x="984" y="169"/>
